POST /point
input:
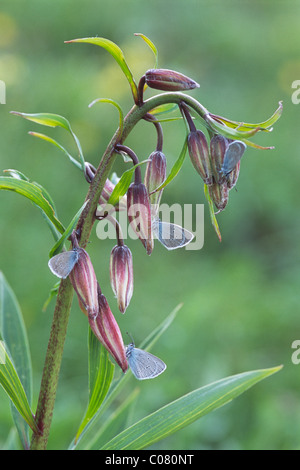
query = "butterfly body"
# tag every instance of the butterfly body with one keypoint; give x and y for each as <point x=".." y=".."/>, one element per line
<point x="171" y="236"/>
<point x="232" y="157"/>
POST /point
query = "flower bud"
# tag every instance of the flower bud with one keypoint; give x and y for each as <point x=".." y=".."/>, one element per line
<point x="139" y="214"/>
<point x="218" y="146"/>
<point x="199" y="154"/>
<point x="107" y="330"/>
<point x="84" y="281"/>
<point x="155" y="175"/>
<point x="219" y="194"/>
<point x="121" y="275"/>
<point x="169" y="80"/>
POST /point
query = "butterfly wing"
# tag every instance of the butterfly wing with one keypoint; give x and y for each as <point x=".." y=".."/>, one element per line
<point x="172" y="236"/>
<point x="232" y="156"/>
<point x="62" y="264"/>
<point x="145" y="365"/>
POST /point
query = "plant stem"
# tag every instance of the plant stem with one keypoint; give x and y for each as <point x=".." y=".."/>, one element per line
<point x="64" y="298"/>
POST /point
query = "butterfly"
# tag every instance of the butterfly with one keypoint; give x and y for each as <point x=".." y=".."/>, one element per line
<point x="143" y="364"/>
<point x="232" y="156"/>
<point x="62" y="264"/>
<point x="171" y="236"/>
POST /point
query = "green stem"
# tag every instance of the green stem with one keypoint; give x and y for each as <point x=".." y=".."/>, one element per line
<point x="64" y="298"/>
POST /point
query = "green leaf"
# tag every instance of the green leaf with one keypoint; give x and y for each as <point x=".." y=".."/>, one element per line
<point x="184" y="411"/>
<point x="123" y="184"/>
<point x="60" y="243"/>
<point x="212" y="213"/>
<point x="52" y="141"/>
<point x="36" y="194"/>
<point x="151" y="45"/>
<point x="175" y="169"/>
<point x="101" y="371"/>
<point x="117" y="54"/>
<point x="116" y="105"/>
<point x="54" y="120"/>
<point x="14" y="351"/>
<point x="13" y="332"/>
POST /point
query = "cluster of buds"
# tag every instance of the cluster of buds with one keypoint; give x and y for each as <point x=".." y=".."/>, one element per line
<point x="218" y="163"/>
<point x="94" y="305"/>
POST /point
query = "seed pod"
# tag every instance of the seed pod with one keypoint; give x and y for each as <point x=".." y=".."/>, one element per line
<point x="169" y="80"/>
<point x="121" y="275"/>
<point x="199" y="154"/>
<point x="139" y="214"/>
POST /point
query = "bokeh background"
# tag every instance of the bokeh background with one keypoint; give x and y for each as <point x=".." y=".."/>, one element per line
<point x="240" y="297"/>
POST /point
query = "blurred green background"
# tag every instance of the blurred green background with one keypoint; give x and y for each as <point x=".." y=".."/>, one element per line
<point x="241" y="296"/>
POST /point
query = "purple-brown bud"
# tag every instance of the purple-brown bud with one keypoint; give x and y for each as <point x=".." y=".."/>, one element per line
<point x="199" y="154"/>
<point x="121" y="275"/>
<point x="139" y="214"/>
<point x="169" y="80"/>
<point x="218" y="146"/>
<point x="84" y="281"/>
<point x="219" y="194"/>
<point x="107" y="330"/>
<point x="155" y="175"/>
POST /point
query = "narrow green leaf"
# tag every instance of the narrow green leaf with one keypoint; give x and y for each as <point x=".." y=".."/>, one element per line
<point x="212" y="213"/>
<point x="60" y="243"/>
<point x="33" y="192"/>
<point x="151" y="45"/>
<point x="117" y="54"/>
<point x="164" y="108"/>
<point x="101" y="371"/>
<point x="53" y="142"/>
<point x="13" y="332"/>
<point x="184" y="411"/>
<point x="175" y="169"/>
<point x="123" y="184"/>
<point x="12" y="385"/>
<point x="54" y="120"/>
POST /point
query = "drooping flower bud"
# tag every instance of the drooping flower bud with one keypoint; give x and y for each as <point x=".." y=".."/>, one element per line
<point x="199" y="154"/>
<point x="233" y="176"/>
<point x="84" y="281"/>
<point x="107" y="330"/>
<point x="218" y="146"/>
<point x="139" y="214"/>
<point x="155" y="175"/>
<point x="121" y="275"/>
<point x="219" y="194"/>
<point x="169" y="80"/>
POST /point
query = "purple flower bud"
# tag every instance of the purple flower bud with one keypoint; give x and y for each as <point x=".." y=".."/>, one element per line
<point x="121" y="275"/>
<point x="84" y="281"/>
<point x="107" y="330"/>
<point x="218" y="146"/>
<point x="219" y="194"/>
<point x="139" y="214"/>
<point x="233" y="176"/>
<point x="155" y="175"/>
<point x="169" y="80"/>
<point x="199" y="154"/>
